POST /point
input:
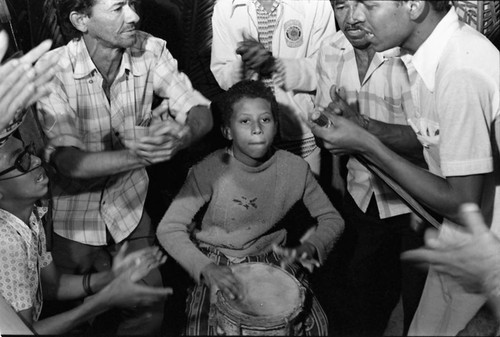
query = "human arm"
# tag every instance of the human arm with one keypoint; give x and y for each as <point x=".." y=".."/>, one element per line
<point x="59" y="286"/>
<point x="474" y="261"/>
<point x="443" y="195"/>
<point x="121" y="292"/>
<point x="225" y="64"/>
<point x="318" y="241"/>
<point x="399" y="138"/>
<point x="174" y="235"/>
<point x="461" y="136"/>
<point x="22" y="82"/>
<point x="300" y="73"/>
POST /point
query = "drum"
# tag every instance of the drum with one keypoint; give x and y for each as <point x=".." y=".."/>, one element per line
<point x="272" y="300"/>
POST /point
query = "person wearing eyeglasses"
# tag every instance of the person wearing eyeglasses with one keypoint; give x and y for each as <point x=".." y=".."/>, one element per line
<point x="26" y="268"/>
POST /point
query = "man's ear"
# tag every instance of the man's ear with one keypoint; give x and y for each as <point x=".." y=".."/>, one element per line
<point x="226" y="132"/>
<point x="79" y="21"/>
<point x="416" y="8"/>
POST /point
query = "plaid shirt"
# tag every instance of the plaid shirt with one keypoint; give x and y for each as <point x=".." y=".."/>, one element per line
<point x="77" y="113"/>
<point x="383" y="95"/>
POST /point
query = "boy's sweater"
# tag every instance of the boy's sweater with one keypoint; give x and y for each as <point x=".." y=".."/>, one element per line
<point x="244" y="204"/>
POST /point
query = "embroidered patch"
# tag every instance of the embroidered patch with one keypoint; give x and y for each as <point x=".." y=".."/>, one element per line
<point x="293" y="33"/>
<point x="245" y="202"/>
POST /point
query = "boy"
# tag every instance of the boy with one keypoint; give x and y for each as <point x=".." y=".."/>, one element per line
<point x="248" y="191"/>
<point x="26" y="268"/>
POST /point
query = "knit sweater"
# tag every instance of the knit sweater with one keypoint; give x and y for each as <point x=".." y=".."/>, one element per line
<point x="244" y="205"/>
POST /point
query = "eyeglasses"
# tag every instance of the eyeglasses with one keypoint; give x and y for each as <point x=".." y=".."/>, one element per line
<point x="22" y="163"/>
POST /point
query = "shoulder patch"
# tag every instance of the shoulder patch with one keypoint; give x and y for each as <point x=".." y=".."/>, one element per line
<point x="294" y="34"/>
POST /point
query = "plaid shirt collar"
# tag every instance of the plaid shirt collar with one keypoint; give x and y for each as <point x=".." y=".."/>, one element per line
<point x="85" y="67"/>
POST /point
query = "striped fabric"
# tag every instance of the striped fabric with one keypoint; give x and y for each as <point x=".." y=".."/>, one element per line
<point x="302" y="147"/>
<point x="384" y="94"/>
<point x="266" y="23"/>
<point x="199" y="310"/>
<point x="77" y="113"/>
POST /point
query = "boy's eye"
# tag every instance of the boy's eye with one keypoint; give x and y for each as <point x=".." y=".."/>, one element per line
<point x="244" y="121"/>
<point x="266" y="119"/>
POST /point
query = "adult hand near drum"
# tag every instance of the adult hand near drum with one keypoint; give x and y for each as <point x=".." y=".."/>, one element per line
<point x="222" y="278"/>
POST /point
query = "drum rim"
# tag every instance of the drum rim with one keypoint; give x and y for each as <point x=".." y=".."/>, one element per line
<point x="271" y="321"/>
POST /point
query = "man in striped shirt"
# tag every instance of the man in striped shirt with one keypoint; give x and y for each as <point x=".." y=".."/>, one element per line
<point x="377" y="221"/>
<point x="102" y="134"/>
<point x="275" y="41"/>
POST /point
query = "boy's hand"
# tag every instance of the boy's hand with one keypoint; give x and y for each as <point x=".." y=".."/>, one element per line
<point x="305" y="254"/>
<point x="222" y="277"/>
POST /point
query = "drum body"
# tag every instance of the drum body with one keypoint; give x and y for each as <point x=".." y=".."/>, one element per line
<point x="272" y="300"/>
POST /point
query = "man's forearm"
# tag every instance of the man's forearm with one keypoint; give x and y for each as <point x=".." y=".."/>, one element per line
<point x="64" y="322"/>
<point x="443" y="195"/>
<point x="200" y="122"/>
<point x="75" y="163"/>
<point x="399" y="138"/>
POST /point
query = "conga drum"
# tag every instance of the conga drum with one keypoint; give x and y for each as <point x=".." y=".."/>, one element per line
<point x="272" y="300"/>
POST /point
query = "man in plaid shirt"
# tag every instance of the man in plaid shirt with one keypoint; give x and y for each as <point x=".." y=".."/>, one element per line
<point x="102" y="134"/>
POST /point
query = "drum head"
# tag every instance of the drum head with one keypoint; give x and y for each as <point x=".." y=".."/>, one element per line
<point x="268" y="290"/>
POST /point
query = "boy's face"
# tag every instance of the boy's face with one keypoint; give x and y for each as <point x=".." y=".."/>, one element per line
<point x="252" y="129"/>
<point x="17" y="185"/>
<point x="387" y="23"/>
<point x="112" y="23"/>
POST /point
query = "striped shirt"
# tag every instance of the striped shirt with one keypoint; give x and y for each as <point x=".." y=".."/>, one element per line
<point x="383" y="95"/>
<point x="77" y="113"/>
<point x="266" y="25"/>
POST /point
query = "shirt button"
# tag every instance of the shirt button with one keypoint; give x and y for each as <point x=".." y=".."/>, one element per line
<point x="90" y="81"/>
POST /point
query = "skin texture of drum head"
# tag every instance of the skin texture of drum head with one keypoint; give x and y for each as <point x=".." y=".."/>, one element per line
<point x="268" y="291"/>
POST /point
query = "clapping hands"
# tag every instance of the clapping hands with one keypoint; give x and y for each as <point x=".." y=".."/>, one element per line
<point x="23" y="81"/>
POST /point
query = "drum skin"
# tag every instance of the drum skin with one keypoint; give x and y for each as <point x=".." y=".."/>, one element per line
<point x="272" y="300"/>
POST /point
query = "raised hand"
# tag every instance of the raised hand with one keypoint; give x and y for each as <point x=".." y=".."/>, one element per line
<point x="255" y="55"/>
<point x="150" y="257"/>
<point x="339" y="106"/>
<point x="22" y="82"/>
<point x="473" y="260"/>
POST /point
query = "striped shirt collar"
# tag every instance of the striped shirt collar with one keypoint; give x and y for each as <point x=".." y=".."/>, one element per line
<point x="86" y="67"/>
<point x="239" y="3"/>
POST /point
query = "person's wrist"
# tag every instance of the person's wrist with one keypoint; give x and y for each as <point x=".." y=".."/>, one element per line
<point x="364" y="121"/>
<point x="86" y="284"/>
<point x="268" y="66"/>
<point x="310" y="249"/>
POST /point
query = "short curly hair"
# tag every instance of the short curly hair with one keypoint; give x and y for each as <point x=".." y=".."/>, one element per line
<point x="64" y="9"/>
<point x="246" y="89"/>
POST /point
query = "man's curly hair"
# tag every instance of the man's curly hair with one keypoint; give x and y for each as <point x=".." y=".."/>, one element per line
<point x="246" y="89"/>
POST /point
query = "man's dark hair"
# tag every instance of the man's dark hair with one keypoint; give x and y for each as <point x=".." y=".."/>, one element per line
<point x="246" y="89"/>
<point x="64" y="8"/>
<point x="440" y="5"/>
